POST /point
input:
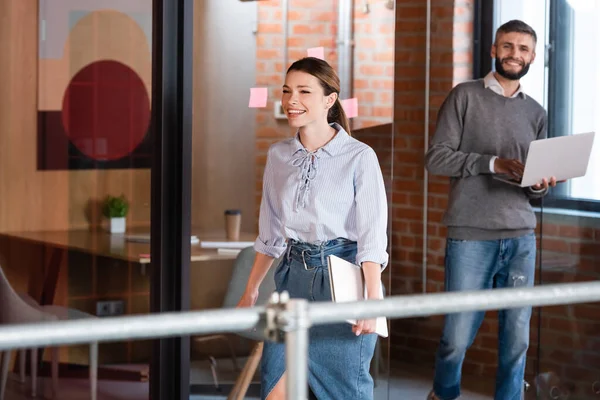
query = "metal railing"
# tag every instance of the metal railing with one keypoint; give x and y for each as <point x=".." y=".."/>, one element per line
<point x="292" y="317"/>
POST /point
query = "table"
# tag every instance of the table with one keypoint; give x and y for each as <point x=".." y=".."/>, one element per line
<point x="102" y="243"/>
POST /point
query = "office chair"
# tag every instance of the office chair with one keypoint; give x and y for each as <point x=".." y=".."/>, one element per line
<point x="239" y="278"/>
<point x="20" y="308"/>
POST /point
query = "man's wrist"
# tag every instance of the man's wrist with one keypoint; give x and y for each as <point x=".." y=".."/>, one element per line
<point x="534" y="190"/>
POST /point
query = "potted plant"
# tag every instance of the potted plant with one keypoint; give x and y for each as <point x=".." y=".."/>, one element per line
<point x="115" y="209"/>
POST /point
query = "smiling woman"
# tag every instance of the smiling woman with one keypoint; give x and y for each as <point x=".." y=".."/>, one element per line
<point x="323" y="194"/>
<point x="306" y="96"/>
<point x="314" y="173"/>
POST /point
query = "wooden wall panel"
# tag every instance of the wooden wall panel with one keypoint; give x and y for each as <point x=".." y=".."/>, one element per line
<point x="223" y="147"/>
<point x="32" y="200"/>
<point x="45" y="200"/>
<point x="29" y="200"/>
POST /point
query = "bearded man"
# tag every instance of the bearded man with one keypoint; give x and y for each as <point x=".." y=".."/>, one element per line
<point x="484" y="128"/>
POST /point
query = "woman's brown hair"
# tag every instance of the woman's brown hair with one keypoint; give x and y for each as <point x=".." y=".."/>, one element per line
<point x="329" y="81"/>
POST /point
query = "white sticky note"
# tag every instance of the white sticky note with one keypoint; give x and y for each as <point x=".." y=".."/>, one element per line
<point x="317" y="52"/>
<point x="258" y="97"/>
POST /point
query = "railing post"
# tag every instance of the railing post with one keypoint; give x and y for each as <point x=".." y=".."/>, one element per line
<point x="297" y="323"/>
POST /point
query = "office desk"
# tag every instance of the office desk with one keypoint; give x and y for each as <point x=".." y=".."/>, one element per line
<point x="102" y="243"/>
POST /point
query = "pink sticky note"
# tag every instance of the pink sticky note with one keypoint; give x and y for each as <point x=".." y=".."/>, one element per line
<point x="317" y="52"/>
<point x="258" y="97"/>
<point x="350" y="107"/>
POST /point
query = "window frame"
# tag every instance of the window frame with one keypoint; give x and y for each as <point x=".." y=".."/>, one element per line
<point x="172" y="74"/>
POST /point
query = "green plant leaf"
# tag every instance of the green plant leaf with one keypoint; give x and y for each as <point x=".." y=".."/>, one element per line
<point x="115" y="207"/>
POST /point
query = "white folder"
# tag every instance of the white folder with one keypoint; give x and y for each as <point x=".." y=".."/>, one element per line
<point x="348" y="284"/>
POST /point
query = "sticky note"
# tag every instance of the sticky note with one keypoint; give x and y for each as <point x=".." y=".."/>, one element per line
<point x="258" y="97"/>
<point x="350" y="107"/>
<point x="317" y="52"/>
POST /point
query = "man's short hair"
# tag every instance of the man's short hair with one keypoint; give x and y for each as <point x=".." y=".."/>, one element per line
<point x="516" y="25"/>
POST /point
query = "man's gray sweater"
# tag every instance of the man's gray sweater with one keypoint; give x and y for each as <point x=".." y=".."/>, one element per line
<point x="474" y="124"/>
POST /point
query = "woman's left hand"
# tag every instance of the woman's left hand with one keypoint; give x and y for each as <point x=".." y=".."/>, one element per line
<point x="364" y="326"/>
<point x="372" y="272"/>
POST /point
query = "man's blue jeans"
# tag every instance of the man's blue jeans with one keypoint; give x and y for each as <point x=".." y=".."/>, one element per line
<point x="477" y="265"/>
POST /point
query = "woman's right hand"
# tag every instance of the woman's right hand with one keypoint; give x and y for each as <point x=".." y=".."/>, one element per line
<point x="248" y="299"/>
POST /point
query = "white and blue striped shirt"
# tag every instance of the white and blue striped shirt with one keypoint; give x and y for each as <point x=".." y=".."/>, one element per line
<point x="336" y="191"/>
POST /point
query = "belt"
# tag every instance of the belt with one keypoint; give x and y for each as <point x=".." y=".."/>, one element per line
<point x="313" y="255"/>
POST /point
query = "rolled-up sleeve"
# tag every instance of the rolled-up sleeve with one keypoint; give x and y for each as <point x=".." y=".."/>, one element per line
<point x="371" y="210"/>
<point x="270" y="240"/>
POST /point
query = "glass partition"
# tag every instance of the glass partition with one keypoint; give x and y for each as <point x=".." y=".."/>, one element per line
<point x="75" y="117"/>
<point x="242" y="51"/>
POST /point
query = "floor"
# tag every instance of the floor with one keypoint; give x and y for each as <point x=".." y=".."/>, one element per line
<point x="405" y="383"/>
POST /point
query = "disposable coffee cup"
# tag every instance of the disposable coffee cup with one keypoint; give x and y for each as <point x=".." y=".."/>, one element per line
<point x="233" y="223"/>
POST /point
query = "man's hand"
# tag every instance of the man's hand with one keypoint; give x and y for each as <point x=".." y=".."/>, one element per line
<point x="545" y="184"/>
<point x="513" y="168"/>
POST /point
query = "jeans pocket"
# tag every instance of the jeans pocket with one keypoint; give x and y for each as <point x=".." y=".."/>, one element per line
<point x="320" y="285"/>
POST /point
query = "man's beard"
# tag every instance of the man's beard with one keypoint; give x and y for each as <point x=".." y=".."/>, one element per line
<point x="513" y="76"/>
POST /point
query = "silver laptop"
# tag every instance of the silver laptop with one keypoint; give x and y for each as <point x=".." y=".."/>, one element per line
<point x="564" y="157"/>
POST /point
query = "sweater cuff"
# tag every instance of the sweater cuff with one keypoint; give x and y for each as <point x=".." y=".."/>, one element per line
<point x="535" y="194"/>
<point x="536" y="191"/>
<point x="484" y="164"/>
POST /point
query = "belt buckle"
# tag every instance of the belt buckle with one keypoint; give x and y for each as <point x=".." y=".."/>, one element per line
<point x="304" y="261"/>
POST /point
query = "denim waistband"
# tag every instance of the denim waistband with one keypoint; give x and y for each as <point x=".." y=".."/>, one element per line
<point x="313" y="255"/>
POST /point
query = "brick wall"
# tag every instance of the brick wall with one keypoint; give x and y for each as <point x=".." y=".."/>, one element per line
<point x="270" y="71"/>
<point x="409" y="139"/>
<point x="415" y="340"/>
<point x="374" y="64"/>
<point x="570" y="334"/>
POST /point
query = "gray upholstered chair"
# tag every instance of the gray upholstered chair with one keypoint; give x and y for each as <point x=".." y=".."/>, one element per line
<point x="241" y="272"/>
<point x="22" y="309"/>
